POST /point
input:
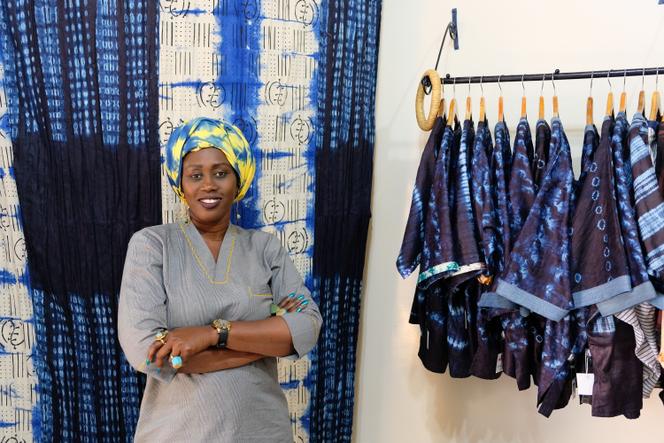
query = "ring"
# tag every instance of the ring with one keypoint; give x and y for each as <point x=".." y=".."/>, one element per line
<point x="161" y="336"/>
<point x="176" y="361"/>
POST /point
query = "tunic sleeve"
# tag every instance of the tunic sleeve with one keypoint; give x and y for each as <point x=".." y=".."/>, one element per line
<point x="142" y="308"/>
<point x="304" y="326"/>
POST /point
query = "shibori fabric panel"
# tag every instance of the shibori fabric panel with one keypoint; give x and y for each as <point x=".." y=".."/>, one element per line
<point x="344" y="164"/>
<point x="253" y="64"/>
<point x="82" y="89"/>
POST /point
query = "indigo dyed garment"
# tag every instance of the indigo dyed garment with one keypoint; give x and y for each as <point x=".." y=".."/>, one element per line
<point x="642" y="290"/>
<point x="599" y="261"/>
<point x="465" y="242"/>
<point x="489" y="342"/>
<point x="648" y="200"/>
<point x="516" y="357"/>
<point x="534" y="277"/>
<point x="591" y="140"/>
<point x="481" y="191"/>
<point x="459" y="347"/>
<point x="541" y="155"/>
<point x="618" y="373"/>
<point x="439" y="234"/>
<point x="498" y="225"/>
<point x="433" y="319"/>
<point x="659" y="158"/>
<point x="422" y="208"/>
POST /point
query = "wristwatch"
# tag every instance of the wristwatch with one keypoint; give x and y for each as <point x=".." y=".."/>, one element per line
<point x="223" y="327"/>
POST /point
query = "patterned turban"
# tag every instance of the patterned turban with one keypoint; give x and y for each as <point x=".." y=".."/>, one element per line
<point x="203" y="132"/>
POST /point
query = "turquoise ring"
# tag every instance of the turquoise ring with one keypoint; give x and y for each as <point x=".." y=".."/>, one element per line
<point x="176" y="362"/>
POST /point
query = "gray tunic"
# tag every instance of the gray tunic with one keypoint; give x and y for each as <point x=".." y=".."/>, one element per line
<point x="171" y="280"/>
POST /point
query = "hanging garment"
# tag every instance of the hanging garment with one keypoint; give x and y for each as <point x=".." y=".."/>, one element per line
<point x="461" y="284"/>
<point x="429" y="308"/>
<point x="465" y="242"/>
<point x="488" y="338"/>
<point x="413" y="252"/>
<point x="439" y="260"/>
<point x="498" y="227"/>
<point x="517" y="361"/>
<point x="648" y="200"/>
<point x="642" y="290"/>
<point x="541" y="155"/>
<point x="534" y="277"/>
<point x="599" y="261"/>
<point x="659" y="158"/>
<point x="618" y="384"/>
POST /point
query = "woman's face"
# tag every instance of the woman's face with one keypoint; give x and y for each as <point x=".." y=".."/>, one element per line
<point x="209" y="185"/>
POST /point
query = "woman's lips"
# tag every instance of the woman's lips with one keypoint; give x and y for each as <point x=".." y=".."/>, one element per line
<point x="210" y="203"/>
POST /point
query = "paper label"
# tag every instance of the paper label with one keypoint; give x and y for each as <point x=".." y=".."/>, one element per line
<point x="585" y="383"/>
<point x="499" y="363"/>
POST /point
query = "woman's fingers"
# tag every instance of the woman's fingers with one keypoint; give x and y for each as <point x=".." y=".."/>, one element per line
<point x="152" y="350"/>
<point x="293" y="302"/>
<point x="162" y="354"/>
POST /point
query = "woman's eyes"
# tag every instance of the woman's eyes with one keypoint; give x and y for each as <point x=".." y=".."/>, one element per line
<point x="198" y="176"/>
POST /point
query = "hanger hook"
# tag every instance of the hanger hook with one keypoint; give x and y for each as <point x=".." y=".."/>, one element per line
<point x="554" y="84"/>
<point x="523" y="87"/>
<point x="657" y="79"/>
<point x="608" y="79"/>
<point x="643" y="79"/>
<point x="454" y="88"/>
<point x="499" y="86"/>
<point x="469" y="78"/>
<point x="481" y="85"/>
<point x="542" y="87"/>
<point x="592" y="74"/>
<point x="624" y="79"/>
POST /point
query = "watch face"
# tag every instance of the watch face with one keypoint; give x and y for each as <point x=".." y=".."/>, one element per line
<point x="217" y="324"/>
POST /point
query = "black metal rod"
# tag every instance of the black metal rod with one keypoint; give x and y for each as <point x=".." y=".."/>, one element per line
<point x="555" y="75"/>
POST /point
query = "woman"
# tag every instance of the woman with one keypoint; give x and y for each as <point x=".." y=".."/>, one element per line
<point x="196" y="299"/>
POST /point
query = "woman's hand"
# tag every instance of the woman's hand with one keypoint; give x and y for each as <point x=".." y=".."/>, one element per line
<point x="293" y="302"/>
<point x="184" y="342"/>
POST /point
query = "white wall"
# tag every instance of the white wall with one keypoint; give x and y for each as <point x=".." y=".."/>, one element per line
<point x="397" y="399"/>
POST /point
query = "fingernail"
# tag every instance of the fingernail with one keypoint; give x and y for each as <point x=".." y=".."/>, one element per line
<point x="147" y="362"/>
<point x="158" y="370"/>
<point x="304" y="303"/>
<point x="299" y="310"/>
<point x="291" y="295"/>
<point x="300" y="297"/>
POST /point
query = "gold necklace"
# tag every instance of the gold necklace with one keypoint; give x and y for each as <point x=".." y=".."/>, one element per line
<point x="200" y="262"/>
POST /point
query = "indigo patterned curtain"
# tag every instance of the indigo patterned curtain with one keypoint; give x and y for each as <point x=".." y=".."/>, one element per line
<point x="344" y="161"/>
<point x="81" y="79"/>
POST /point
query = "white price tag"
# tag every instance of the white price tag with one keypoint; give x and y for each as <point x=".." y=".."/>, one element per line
<point x="585" y="383"/>
<point x="499" y="363"/>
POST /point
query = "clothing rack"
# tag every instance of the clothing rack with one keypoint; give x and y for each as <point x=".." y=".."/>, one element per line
<point x="555" y="75"/>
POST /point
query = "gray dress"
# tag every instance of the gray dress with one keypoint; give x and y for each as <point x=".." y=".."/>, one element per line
<point x="171" y="280"/>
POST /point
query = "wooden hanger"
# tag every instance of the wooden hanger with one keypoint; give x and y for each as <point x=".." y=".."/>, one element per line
<point x="540" y="114"/>
<point x="609" y="98"/>
<point x="641" y="106"/>
<point x="555" y="98"/>
<point x="589" y="102"/>
<point x="451" y="115"/>
<point x="655" y="101"/>
<point x="501" y="106"/>
<point x="469" y="105"/>
<point x="623" y="96"/>
<point x="442" y="108"/>
<point x="482" y="104"/>
<point x="523" y="99"/>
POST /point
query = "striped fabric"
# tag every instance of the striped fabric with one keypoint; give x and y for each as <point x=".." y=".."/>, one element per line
<point x="642" y="319"/>
<point x="649" y="202"/>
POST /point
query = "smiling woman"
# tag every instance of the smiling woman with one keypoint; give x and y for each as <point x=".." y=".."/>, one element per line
<point x="198" y="304"/>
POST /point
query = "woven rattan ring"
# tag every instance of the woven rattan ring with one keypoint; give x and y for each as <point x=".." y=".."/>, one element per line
<point x="436" y="88"/>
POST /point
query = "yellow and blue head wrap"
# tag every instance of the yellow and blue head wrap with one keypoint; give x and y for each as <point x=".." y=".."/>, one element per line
<point x="203" y="132"/>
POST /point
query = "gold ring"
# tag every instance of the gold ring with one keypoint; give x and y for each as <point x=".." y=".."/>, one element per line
<point x="161" y="336"/>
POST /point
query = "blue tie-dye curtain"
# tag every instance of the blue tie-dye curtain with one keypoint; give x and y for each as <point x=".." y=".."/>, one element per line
<point x="344" y="163"/>
<point x="81" y="79"/>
